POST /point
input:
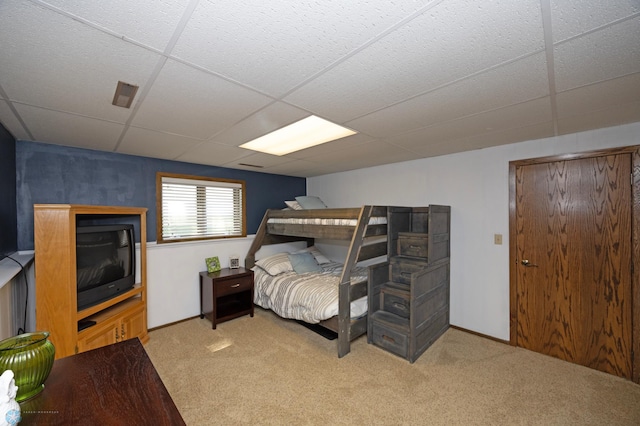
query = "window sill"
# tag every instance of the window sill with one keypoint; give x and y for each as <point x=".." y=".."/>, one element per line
<point x="9" y="269"/>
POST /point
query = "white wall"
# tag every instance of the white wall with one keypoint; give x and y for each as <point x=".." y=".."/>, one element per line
<point x="173" y="280"/>
<point x="475" y="185"/>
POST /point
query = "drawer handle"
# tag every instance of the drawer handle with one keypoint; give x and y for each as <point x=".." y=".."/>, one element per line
<point x="414" y="247"/>
<point x="405" y="274"/>
<point x="400" y="306"/>
<point x="388" y="339"/>
<point x="235" y="285"/>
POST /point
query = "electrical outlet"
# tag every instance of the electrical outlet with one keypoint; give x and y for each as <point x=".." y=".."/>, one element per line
<point x="497" y="239"/>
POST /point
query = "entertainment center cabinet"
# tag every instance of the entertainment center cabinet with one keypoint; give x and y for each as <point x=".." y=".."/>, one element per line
<point x="119" y="318"/>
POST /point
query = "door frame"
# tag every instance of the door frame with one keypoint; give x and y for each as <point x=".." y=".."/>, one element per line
<point x="635" y="243"/>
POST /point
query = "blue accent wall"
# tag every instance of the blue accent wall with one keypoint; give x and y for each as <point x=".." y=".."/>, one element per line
<point x="52" y="174"/>
<point x="8" y="215"/>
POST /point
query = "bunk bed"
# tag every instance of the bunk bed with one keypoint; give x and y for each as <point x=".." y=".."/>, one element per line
<point x="365" y="228"/>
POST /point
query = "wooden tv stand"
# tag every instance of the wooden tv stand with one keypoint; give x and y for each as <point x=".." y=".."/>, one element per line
<point x="120" y="318"/>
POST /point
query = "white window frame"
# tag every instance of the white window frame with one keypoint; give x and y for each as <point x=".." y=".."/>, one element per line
<point x="186" y="211"/>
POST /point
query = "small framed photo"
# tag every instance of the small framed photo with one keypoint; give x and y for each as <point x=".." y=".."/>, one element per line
<point x="213" y="264"/>
<point x="234" y="262"/>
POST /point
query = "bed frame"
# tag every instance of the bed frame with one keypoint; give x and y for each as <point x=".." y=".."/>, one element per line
<point x="367" y="242"/>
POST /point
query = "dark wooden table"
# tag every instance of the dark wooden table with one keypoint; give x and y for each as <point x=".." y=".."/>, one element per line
<point x="112" y="385"/>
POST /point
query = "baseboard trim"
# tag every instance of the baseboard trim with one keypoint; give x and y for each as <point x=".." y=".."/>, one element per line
<point x="495" y="339"/>
<point x="173" y="323"/>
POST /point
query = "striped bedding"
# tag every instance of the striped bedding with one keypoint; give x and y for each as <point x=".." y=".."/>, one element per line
<point x="310" y="297"/>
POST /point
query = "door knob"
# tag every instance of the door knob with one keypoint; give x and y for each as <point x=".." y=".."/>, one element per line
<point x="526" y="263"/>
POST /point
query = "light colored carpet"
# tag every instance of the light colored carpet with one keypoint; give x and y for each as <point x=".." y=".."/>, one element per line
<point x="269" y="371"/>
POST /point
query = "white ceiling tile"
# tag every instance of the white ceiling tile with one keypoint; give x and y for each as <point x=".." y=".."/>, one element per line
<point x="190" y="102"/>
<point x="521" y="115"/>
<point x="149" y="143"/>
<point x="268" y="119"/>
<point x="213" y="154"/>
<point x="253" y="158"/>
<point x="605" y="54"/>
<point x="150" y="22"/>
<point x="607" y="117"/>
<point x="11" y="122"/>
<point x="302" y="168"/>
<point x="415" y="78"/>
<point x="595" y="97"/>
<point x="573" y="17"/>
<point x="78" y="131"/>
<point x="497" y="88"/>
<point x="56" y="62"/>
<point x="332" y="147"/>
<point x="253" y="41"/>
<point x="477" y="141"/>
<point x="364" y="155"/>
<point x="450" y="41"/>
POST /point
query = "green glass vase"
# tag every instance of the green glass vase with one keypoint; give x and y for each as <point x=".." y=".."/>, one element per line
<point x="30" y="357"/>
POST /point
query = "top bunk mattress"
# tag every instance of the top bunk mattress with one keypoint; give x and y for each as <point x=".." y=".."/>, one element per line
<point x="380" y="220"/>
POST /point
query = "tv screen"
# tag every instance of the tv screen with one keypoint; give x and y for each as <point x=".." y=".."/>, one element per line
<point x="105" y="259"/>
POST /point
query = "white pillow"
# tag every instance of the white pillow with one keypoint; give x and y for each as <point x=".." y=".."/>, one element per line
<point x="275" y="264"/>
<point x="293" y="205"/>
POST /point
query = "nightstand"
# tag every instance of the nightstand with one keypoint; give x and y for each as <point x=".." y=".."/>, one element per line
<point x="226" y="294"/>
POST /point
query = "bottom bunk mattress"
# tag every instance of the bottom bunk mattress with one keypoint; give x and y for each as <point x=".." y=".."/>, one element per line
<point x="310" y="297"/>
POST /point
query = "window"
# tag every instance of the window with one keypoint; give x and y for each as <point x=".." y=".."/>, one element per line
<point x="197" y="208"/>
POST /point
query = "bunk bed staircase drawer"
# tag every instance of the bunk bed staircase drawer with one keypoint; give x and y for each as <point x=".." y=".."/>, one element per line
<point x="402" y="268"/>
<point x="391" y="332"/>
<point x="395" y="298"/>
<point x="413" y="244"/>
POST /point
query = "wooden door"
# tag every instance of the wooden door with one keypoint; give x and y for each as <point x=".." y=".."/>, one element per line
<point x="573" y="251"/>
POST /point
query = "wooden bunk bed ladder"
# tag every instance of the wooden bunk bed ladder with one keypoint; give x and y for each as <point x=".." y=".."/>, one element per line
<point x="347" y="330"/>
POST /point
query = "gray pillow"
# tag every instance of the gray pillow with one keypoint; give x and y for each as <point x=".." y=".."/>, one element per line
<point x="310" y="202"/>
<point x="304" y="262"/>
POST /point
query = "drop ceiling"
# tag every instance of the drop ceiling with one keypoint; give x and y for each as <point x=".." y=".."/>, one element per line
<point x="415" y="79"/>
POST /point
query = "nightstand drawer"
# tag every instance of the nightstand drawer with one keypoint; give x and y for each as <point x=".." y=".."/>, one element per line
<point x="233" y="285"/>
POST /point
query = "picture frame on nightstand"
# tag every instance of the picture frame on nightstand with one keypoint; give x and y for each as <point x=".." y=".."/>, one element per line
<point x="234" y="261"/>
<point x="213" y="264"/>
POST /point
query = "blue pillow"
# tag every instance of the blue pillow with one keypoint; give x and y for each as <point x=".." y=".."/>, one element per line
<point x="310" y="202"/>
<point x="304" y="262"/>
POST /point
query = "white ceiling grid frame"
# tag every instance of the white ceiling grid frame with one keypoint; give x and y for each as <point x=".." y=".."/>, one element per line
<point x="429" y="94"/>
<point x="571" y="18"/>
<point x="431" y="54"/>
<point x="276" y="37"/>
<point x="190" y="111"/>
<point x="79" y="131"/>
<point x="536" y="112"/>
<point x="138" y="21"/>
<point x="496" y="88"/>
<point x="616" y="46"/>
<point x="105" y="60"/>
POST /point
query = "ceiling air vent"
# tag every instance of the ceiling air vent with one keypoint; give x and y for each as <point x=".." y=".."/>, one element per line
<point x="124" y="94"/>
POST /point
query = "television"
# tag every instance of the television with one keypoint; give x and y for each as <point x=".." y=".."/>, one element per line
<point x="106" y="262"/>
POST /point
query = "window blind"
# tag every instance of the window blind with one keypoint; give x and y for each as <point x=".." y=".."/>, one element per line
<point x="197" y="209"/>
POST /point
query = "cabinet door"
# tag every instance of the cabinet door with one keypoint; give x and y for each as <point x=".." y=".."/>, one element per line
<point x="98" y="336"/>
<point x="133" y="324"/>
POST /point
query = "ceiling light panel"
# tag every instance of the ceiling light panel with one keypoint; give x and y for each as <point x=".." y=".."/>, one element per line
<point x="308" y="132"/>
